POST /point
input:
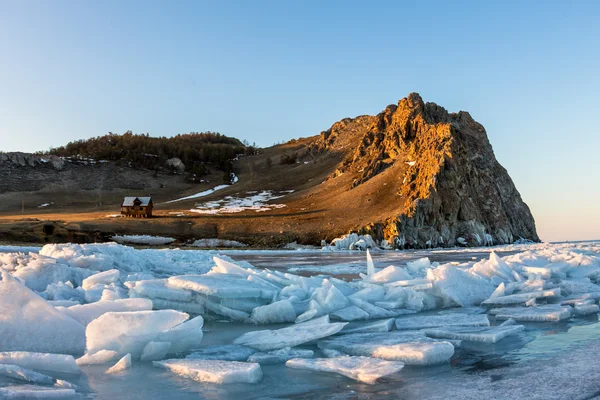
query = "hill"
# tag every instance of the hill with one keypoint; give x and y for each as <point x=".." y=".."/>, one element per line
<point x="414" y="175"/>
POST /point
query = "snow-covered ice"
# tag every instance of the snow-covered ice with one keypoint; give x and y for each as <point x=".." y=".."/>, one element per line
<point x="362" y="369"/>
<point x="143" y="239"/>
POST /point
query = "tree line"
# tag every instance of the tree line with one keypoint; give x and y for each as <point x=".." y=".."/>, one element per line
<point x="194" y="149"/>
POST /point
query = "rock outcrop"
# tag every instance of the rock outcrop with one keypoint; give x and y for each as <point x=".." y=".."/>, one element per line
<point x="454" y="191"/>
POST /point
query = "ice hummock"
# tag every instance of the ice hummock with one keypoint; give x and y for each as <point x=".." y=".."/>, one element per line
<point x="213" y="371"/>
<point x="362" y="369"/>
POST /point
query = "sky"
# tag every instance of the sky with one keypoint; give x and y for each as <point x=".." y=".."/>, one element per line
<point x="270" y="71"/>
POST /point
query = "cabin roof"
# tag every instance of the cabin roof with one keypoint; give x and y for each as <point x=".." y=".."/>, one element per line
<point x="129" y="201"/>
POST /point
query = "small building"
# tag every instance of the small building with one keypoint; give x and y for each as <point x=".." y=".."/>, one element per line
<point x="138" y="207"/>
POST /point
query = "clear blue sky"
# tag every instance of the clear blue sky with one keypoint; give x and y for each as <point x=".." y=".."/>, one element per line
<point x="269" y="71"/>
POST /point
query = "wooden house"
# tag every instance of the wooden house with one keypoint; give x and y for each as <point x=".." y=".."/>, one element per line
<point x="139" y="207"/>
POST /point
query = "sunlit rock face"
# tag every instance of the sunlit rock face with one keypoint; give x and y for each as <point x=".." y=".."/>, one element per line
<point x="452" y="188"/>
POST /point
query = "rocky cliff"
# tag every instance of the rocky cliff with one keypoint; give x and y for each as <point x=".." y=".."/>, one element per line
<point x="453" y="190"/>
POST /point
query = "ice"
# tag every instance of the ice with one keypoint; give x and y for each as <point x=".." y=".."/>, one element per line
<point x="155" y="351"/>
<point x="586" y="309"/>
<point x="521" y="298"/>
<point x="226" y="352"/>
<point x="384" y="325"/>
<point x="275" y="313"/>
<point x="183" y="337"/>
<point x="409" y="347"/>
<point x="103" y="278"/>
<point x="371" y="294"/>
<point x="28" y="323"/>
<point x="579" y="286"/>
<point x="86" y="313"/>
<point x="374" y="312"/>
<point x="35" y="392"/>
<point x="351" y="313"/>
<point x="544" y="313"/>
<point x="353" y="241"/>
<point x="334" y="300"/>
<point x="291" y="336"/>
<point x="370" y="264"/>
<point x="362" y="369"/>
<point x="474" y="334"/>
<point x="24" y="374"/>
<point x="280" y="356"/>
<point x="214" y="371"/>
<point x="100" y="357"/>
<point x="495" y="266"/>
<point x="60" y="363"/>
<point x="459" y="287"/>
<point x="390" y="274"/>
<point x="221" y="285"/>
<point x="230" y="313"/>
<point x="211" y="243"/>
<point x="416" y="267"/>
<point x="436" y="321"/>
<point x="143" y="239"/>
<point x="129" y="332"/>
<point x="121" y="365"/>
<point x="158" y="289"/>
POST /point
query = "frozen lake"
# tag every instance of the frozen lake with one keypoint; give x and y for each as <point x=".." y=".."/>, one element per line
<point x="547" y="360"/>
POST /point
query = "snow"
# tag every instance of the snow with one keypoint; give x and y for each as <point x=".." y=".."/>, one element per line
<point x="201" y="194"/>
<point x="474" y="334"/>
<point x="362" y="369"/>
<point x="214" y="371"/>
<point x="291" y="336"/>
<point x="28" y="323"/>
<point x="143" y="239"/>
<point x="48" y="362"/>
<point x="280" y="356"/>
<point x="121" y="365"/>
<point x="257" y="202"/>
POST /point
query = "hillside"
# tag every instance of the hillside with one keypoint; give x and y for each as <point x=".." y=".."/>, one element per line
<point x="414" y="175"/>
